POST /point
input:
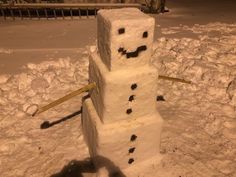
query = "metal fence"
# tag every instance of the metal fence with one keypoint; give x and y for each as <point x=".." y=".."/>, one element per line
<point x="57" y="10"/>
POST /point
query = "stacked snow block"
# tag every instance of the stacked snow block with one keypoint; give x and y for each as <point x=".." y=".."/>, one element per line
<point x="121" y="124"/>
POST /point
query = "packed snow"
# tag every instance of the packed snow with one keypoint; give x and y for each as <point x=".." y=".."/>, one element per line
<point x="199" y="135"/>
<point x="199" y="138"/>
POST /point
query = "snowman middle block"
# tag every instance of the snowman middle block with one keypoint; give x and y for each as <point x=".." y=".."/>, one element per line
<point x="125" y="143"/>
<point x="123" y="94"/>
<point x="125" y="37"/>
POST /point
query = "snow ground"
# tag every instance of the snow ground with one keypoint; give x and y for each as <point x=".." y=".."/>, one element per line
<point x="199" y="135"/>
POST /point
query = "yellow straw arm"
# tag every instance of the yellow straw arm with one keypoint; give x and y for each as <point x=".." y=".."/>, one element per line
<point x="174" y="79"/>
<point x="65" y="98"/>
<point x="89" y="87"/>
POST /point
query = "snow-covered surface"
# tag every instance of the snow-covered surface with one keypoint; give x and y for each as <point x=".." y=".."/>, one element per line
<point x="25" y="149"/>
<point x="199" y="138"/>
<point x="199" y="135"/>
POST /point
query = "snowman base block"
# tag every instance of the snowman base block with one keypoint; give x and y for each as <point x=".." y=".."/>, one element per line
<point x="121" y="145"/>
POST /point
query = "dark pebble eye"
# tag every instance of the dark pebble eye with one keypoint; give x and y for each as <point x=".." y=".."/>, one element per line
<point x="120" y="49"/>
<point x="145" y="34"/>
<point x="121" y="30"/>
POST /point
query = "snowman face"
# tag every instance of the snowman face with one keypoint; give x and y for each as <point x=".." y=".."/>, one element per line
<point x="137" y="51"/>
<point x="125" y="39"/>
<point x="131" y="40"/>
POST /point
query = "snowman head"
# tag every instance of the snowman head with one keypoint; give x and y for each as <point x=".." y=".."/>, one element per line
<point x="125" y="37"/>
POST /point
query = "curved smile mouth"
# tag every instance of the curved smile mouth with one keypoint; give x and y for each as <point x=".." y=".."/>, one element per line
<point x="132" y="54"/>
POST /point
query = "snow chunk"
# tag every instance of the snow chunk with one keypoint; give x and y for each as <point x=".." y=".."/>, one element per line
<point x="92" y="48"/>
<point x="224" y="166"/>
<point x="213" y="127"/>
<point x="49" y="75"/>
<point x="19" y="113"/>
<point x="228" y="111"/>
<point x="4" y="78"/>
<point x="231" y="91"/>
<point x="24" y="81"/>
<point x="3" y="101"/>
<point x="32" y="66"/>
<point x="39" y="84"/>
<point x="1" y="92"/>
<point x="30" y="109"/>
<point x="5" y="51"/>
<point x="7" y="148"/>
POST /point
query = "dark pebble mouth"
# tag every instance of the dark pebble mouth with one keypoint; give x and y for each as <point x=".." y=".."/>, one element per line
<point x="133" y="54"/>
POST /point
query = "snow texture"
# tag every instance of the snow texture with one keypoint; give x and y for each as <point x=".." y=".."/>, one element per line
<point x="199" y="135"/>
<point x="26" y="149"/>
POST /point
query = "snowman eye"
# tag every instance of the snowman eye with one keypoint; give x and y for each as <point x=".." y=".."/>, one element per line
<point x="121" y="30"/>
<point x="145" y="34"/>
